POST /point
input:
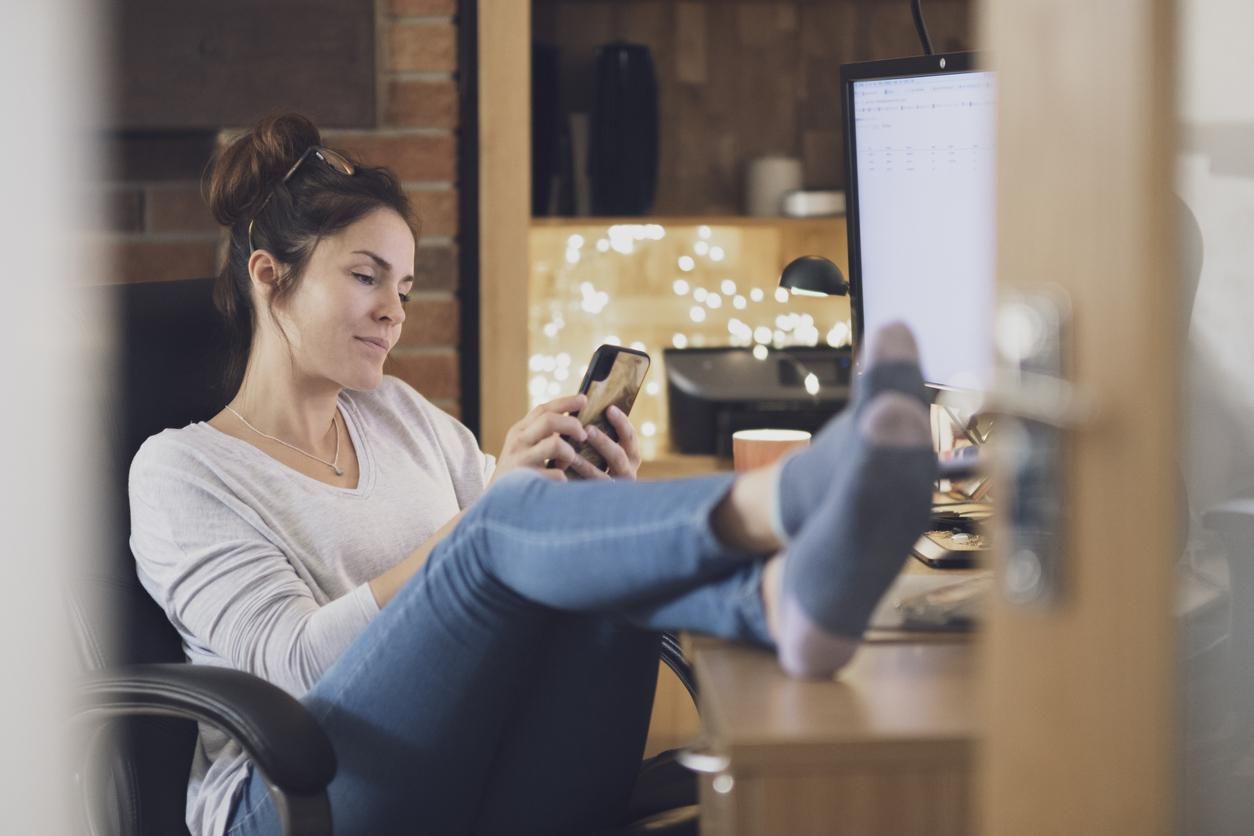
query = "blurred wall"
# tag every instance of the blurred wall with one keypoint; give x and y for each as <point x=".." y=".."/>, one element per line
<point x="52" y="361"/>
<point x="1216" y="180"/>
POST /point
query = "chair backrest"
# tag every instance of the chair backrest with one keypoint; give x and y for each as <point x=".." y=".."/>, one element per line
<point x="171" y="351"/>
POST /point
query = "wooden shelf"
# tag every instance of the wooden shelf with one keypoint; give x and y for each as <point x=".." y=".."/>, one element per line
<point x="686" y="220"/>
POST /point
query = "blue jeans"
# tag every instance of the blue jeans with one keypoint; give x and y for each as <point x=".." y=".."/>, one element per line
<point x="507" y="687"/>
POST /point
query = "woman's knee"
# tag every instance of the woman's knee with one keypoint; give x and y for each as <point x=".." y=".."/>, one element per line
<point x="475" y="548"/>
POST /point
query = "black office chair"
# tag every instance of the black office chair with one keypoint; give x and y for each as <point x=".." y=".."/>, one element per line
<point x="138" y="698"/>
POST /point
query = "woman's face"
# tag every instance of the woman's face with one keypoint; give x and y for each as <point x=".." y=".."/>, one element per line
<point x="347" y="312"/>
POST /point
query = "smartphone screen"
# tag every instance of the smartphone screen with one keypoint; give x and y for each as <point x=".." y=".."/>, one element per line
<point x="614" y="378"/>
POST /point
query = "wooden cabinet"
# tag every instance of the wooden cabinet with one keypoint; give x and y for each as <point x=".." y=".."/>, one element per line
<point x="887" y="748"/>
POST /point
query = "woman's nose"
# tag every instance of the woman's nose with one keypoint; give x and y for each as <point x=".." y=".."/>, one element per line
<point x="393" y="311"/>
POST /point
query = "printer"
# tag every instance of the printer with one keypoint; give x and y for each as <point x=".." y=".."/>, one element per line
<point x="713" y="392"/>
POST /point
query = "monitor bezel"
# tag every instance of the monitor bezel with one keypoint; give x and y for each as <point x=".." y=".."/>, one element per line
<point x="949" y="63"/>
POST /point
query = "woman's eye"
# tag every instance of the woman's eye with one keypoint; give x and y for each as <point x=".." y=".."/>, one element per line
<point x="364" y="278"/>
<point x="404" y="298"/>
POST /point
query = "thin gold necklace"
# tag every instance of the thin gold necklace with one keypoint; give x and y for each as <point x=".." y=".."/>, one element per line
<point x="333" y="464"/>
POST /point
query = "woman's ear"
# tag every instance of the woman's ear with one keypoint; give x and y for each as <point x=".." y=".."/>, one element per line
<point x="265" y="271"/>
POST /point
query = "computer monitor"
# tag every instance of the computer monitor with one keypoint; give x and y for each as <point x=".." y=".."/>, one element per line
<point x="919" y="139"/>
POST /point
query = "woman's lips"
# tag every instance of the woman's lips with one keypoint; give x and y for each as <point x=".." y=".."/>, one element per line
<point x="376" y="343"/>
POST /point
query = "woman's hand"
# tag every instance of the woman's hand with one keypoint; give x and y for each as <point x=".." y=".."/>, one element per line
<point x="537" y="439"/>
<point x="623" y="456"/>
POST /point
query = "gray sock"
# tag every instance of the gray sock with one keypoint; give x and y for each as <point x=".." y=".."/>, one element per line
<point x="892" y="366"/>
<point x="854" y="542"/>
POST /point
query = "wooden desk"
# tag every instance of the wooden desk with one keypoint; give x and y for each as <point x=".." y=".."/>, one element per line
<point x="885" y="748"/>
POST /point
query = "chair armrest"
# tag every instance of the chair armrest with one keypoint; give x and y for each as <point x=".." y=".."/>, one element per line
<point x="673" y="655"/>
<point x="274" y="728"/>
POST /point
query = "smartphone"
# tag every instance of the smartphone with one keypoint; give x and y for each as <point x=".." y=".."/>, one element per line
<point x="614" y="377"/>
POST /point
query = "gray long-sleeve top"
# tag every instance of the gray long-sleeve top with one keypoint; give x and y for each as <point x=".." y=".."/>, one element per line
<point x="265" y="570"/>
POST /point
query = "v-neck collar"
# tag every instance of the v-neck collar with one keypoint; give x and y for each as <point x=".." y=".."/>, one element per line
<point x="352" y="425"/>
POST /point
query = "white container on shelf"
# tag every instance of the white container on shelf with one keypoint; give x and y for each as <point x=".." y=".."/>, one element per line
<point x="816" y="204"/>
<point x="767" y="180"/>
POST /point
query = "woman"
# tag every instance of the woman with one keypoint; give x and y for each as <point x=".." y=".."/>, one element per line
<point x="332" y="532"/>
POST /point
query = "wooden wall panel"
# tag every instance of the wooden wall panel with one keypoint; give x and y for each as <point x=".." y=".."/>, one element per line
<point x="738" y="80"/>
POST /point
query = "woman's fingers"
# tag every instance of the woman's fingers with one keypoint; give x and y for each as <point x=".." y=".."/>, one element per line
<point x="627" y="438"/>
<point x="542" y="426"/>
<point x="553" y="449"/>
<point x="570" y="403"/>
<point x="615" y="456"/>
<point x="587" y="470"/>
<point x="549" y="418"/>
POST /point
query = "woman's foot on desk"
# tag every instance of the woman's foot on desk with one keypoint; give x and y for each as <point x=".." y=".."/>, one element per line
<point x="857" y="533"/>
<point x="892" y="365"/>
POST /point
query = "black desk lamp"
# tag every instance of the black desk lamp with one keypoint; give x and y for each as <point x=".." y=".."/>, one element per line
<point x="813" y="275"/>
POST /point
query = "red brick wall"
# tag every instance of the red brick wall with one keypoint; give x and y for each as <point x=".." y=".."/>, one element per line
<point x="158" y="226"/>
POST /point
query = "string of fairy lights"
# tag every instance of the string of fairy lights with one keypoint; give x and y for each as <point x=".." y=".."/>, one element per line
<point x="719" y="306"/>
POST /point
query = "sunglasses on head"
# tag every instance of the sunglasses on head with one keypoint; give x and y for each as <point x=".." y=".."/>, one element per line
<point x="336" y="161"/>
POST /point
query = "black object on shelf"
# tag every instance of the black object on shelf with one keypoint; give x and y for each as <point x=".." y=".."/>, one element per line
<point x="713" y="392"/>
<point x="552" y="171"/>
<point x="623" y="149"/>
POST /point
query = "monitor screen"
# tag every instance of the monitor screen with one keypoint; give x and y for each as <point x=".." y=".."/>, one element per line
<point x="920" y="143"/>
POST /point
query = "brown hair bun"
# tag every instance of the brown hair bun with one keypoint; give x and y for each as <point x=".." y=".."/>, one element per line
<point x="244" y="172"/>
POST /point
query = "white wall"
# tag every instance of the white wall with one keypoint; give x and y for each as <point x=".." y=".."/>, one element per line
<point x="1216" y="179"/>
<point x="1215" y="60"/>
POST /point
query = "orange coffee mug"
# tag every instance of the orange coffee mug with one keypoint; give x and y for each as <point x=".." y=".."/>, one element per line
<point x="758" y="448"/>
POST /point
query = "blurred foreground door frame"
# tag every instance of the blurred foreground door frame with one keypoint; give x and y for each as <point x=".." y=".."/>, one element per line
<point x="1079" y="697"/>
